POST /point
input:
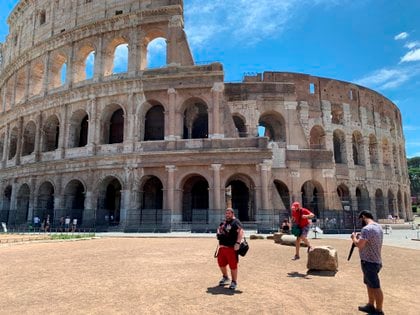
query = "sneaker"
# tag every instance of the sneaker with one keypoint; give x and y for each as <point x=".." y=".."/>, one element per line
<point x="223" y="281"/>
<point x="296" y="257"/>
<point x="232" y="285"/>
<point x="379" y="313"/>
<point x="368" y="308"/>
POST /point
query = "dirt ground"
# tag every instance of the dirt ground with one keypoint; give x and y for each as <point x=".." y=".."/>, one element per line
<point x="180" y="276"/>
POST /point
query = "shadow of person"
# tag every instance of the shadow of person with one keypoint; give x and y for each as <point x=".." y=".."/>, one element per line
<point x="217" y="290"/>
<point x="296" y="274"/>
<point x="322" y="273"/>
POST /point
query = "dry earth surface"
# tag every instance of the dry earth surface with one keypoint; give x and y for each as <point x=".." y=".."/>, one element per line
<point x="180" y="276"/>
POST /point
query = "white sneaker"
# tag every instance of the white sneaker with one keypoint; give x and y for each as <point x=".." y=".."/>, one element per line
<point x="224" y="281"/>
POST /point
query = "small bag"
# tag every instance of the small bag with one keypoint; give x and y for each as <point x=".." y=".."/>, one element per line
<point x="243" y="248"/>
<point x="296" y="230"/>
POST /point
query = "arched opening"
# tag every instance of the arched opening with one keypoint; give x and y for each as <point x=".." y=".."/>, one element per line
<point x="152" y="194"/>
<point x="110" y="200"/>
<point x="90" y="65"/>
<point x="358" y="150"/>
<point x="283" y="192"/>
<point x="400" y="204"/>
<point x="74" y="200"/>
<point x="22" y="204"/>
<point x="51" y="134"/>
<point x="196" y="121"/>
<point x="195" y="197"/>
<point x="120" y="59"/>
<point x="339" y="141"/>
<point x="362" y="196"/>
<point x="343" y="193"/>
<point x="20" y="85"/>
<point x="154" y="124"/>
<point x="379" y="204"/>
<point x="84" y="64"/>
<point x="312" y="197"/>
<point x="274" y="125"/>
<point x="240" y="126"/>
<point x="79" y="129"/>
<point x="58" y="70"/>
<point x="29" y="133"/>
<point x="1" y="144"/>
<point x="317" y="138"/>
<point x="386" y="152"/>
<point x="13" y="143"/>
<point x="156" y="53"/>
<point x="45" y="202"/>
<point x="7" y="199"/>
<point x="240" y="193"/>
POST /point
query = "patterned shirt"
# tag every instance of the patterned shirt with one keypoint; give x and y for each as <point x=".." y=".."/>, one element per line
<point x="373" y="234"/>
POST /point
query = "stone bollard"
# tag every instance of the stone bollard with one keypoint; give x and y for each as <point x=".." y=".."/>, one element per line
<point x="323" y="258"/>
<point x="288" y="240"/>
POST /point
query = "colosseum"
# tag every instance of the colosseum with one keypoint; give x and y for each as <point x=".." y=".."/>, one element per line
<point x="167" y="148"/>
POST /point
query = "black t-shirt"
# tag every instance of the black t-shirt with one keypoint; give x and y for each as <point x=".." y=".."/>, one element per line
<point x="227" y="234"/>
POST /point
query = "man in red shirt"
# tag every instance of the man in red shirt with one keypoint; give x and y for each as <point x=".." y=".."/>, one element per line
<point x="300" y="217"/>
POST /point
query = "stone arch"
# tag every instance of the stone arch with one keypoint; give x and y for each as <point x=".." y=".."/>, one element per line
<point x="317" y="138"/>
<point x="109" y="200"/>
<point x="28" y="144"/>
<point x="154" y="122"/>
<point x="275" y="127"/>
<point x="74" y="200"/>
<point x="84" y="63"/>
<point x="51" y="134"/>
<point x="362" y="197"/>
<point x="196" y="121"/>
<point x="22" y="204"/>
<point x="37" y="78"/>
<point x="339" y="141"/>
<point x="283" y="192"/>
<point x="14" y="133"/>
<point x="240" y="125"/>
<point x="113" y="124"/>
<point x="240" y="193"/>
<point x="8" y="97"/>
<point x="373" y="149"/>
<point x="79" y="129"/>
<point x="313" y="196"/>
<point x="379" y="204"/>
<point x="151" y="192"/>
<point x="343" y="193"/>
<point x="152" y="35"/>
<point x="195" y="195"/>
<point x="111" y="60"/>
<point x="45" y="201"/>
<point x="58" y="64"/>
<point x="358" y="150"/>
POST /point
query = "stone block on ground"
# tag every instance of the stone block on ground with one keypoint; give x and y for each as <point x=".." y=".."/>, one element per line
<point x="323" y="258"/>
<point x="277" y="237"/>
<point x="256" y="237"/>
<point x="289" y="240"/>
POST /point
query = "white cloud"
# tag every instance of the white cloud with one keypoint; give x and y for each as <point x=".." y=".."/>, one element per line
<point x="385" y="78"/>
<point x="413" y="55"/>
<point x="249" y="22"/>
<point x="411" y="45"/>
<point x="401" y="36"/>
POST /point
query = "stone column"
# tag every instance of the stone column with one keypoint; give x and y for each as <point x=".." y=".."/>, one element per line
<point x="19" y="141"/>
<point x="70" y="67"/>
<point x="133" y="53"/>
<point x="173" y="51"/>
<point x="47" y="74"/>
<point x="170" y="132"/>
<point x="94" y="126"/>
<point x="38" y="135"/>
<point x="6" y="146"/>
<point x="98" y="71"/>
<point x="27" y="80"/>
<point x="265" y="168"/>
<point x="129" y="124"/>
<point x="217" y="96"/>
<point x="214" y="213"/>
<point x="170" y="191"/>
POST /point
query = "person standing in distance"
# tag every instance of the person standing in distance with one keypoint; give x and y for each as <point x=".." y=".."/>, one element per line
<point x="301" y="216"/>
<point x="230" y="234"/>
<point x="369" y="242"/>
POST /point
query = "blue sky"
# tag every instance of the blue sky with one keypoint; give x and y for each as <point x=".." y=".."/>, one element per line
<point x="375" y="43"/>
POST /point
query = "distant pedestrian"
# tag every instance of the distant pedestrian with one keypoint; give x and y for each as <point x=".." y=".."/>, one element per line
<point x="67" y="223"/>
<point x="369" y="241"/>
<point x="230" y="235"/>
<point x="74" y="225"/>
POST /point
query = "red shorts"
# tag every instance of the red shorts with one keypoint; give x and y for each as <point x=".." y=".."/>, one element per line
<point x="227" y="255"/>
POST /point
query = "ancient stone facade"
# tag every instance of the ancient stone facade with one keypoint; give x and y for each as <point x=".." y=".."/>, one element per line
<point x="178" y="137"/>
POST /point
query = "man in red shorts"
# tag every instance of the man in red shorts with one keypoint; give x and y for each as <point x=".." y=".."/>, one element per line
<point x="301" y="216"/>
<point x="230" y="234"/>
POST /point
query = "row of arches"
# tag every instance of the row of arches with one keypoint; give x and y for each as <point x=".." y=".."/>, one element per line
<point x="30" y="80"/>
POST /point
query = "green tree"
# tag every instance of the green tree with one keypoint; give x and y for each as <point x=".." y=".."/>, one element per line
<point x="414" y="175"/>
